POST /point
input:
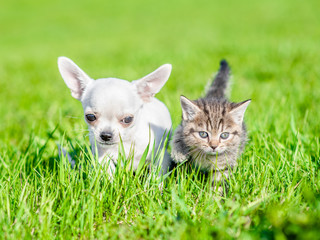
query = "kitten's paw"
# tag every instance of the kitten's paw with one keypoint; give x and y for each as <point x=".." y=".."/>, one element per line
<point x="178" y="157"/>
<point x="221" y="188"/>
<point x="220" y="191"/>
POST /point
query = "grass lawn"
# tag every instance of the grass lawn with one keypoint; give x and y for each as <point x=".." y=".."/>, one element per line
<point x="273" y="49"/>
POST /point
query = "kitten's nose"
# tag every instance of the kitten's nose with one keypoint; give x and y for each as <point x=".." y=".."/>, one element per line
<point x="106" y="136"/>
<point x="213" y="147"/>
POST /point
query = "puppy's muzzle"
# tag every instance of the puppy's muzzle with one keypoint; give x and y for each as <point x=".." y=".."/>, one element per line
<point x="106" y="136"/>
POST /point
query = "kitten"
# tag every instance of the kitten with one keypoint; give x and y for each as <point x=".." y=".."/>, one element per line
<point x="212" y="134"/>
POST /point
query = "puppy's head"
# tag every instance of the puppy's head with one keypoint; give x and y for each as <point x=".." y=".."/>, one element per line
<point x="112" y="106"/>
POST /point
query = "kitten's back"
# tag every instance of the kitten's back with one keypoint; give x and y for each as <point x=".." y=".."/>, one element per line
<point x="220" y="83"/>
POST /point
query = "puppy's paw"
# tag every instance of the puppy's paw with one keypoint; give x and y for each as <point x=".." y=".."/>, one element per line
<point x="63" y="152"/>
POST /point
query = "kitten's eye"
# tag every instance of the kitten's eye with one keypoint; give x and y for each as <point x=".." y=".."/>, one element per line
<point x="127" y="120"/>
<point x="203" y="134"/>
<point x="91" y="117"/>
<point x="224" y="135"/>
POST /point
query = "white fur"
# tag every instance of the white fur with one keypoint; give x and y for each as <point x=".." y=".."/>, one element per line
<point x="112" y="99"/>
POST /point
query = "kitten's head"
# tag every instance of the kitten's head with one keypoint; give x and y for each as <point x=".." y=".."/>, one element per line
<point x="213" y="126"/>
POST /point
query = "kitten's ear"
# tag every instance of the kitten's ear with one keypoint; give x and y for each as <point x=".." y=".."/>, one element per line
<point x="75" y="79"/>
<point x="189" y="109"/>
<point x="238" y="111"/>
<point x="151" y="84"/>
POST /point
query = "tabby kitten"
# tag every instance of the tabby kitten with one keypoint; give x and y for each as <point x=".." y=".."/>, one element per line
<point x="212" y="133"/>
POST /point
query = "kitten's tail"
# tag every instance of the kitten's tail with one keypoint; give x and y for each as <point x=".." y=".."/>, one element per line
<point x="219" y="85"/>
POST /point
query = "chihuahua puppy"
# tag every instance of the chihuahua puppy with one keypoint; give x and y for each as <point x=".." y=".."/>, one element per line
<point x="118" y="110"/>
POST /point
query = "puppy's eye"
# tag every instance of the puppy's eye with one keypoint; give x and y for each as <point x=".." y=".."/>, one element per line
<point x="203" y="134"/>
<point x="91" y="117"/>
<point x="127" y="120"/>
<point x="224" y="135"/>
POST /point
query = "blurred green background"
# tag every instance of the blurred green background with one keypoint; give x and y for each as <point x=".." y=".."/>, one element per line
<point x="272" y="47"/>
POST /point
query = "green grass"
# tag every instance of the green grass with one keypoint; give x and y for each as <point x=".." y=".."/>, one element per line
<point x="273" y="49"/>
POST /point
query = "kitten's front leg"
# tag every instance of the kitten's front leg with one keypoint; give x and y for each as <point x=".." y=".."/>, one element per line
<point x="179" y="151"/>
<point x="220" y="180"/>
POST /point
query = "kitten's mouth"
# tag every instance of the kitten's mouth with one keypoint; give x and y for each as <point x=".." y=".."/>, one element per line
<point x="212" y="153"/>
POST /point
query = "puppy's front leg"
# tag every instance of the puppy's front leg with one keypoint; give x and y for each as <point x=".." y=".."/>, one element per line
<point x="166" y="163"/>
<point x="111" y="167"/>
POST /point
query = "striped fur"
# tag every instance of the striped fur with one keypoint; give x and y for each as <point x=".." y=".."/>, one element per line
<point x="215" y="117"/>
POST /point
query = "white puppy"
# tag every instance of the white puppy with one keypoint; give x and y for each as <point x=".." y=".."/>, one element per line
<point x="116" y="109"/>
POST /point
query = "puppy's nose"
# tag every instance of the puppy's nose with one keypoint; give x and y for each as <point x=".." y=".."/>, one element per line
<point x="106" y="136"/>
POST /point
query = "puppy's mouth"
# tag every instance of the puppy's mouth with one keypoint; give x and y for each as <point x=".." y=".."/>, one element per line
<point x="107" y="143"/>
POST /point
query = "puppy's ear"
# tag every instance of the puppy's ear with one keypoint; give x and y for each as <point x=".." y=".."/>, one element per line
<point x="151" y="84"/>
<point x="76" y="79"/>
